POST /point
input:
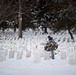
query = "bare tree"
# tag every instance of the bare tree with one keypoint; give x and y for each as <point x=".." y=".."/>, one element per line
<point x="20" y="20"/>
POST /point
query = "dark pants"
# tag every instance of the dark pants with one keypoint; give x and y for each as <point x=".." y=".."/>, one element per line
<point x="52" y="54"/>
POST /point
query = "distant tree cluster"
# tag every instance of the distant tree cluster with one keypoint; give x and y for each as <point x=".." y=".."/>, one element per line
<point x="57" y="15"/>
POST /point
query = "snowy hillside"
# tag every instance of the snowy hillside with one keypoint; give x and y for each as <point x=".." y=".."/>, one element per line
<point x="26" y="56"/>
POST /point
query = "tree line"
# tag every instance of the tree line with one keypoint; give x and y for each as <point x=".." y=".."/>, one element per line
<point x="57" y="15"/>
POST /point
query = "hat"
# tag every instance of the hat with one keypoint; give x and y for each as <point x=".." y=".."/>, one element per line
<point x="50" y="38"/>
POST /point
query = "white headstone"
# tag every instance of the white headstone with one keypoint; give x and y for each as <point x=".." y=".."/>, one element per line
<point x="42" y="53"/>
<point x="11" y="54"/>
<point x="67" y="53"/>
<point x="28" y="53"/>
<point x="19" y="54"/>
<point x="63" y="55"/>
<point x="72" y="59"/>
<point x="37" y="57"/>
<point x="14" y="49"/>
<point x="2" y="56"/>
<point x="47" y="55"/>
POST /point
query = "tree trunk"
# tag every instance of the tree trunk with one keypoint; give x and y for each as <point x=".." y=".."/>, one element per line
<point x="20" y="20"/>
<point x="14" y="29"/>
<point x="45" y="30"/>
<point x="71" y="35"/>
<point x="20" y="28"/>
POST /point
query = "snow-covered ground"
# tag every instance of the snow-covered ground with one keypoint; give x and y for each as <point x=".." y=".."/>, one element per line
<point x="27" y="56"/>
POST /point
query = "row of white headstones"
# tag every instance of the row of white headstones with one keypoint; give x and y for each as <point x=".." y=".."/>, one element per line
<point x="18" y="52"/>
<point x="68" y="54"/>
